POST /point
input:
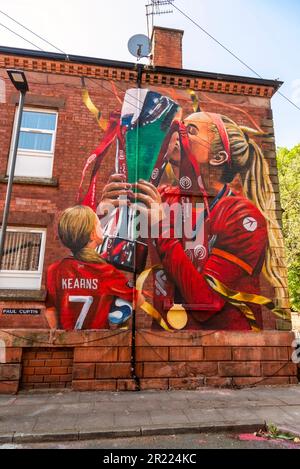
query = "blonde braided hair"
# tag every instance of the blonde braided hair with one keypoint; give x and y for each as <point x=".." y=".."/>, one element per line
<point x="248" y="160"/>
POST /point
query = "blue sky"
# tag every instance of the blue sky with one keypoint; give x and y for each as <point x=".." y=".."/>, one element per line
<point x="264" y="33"/>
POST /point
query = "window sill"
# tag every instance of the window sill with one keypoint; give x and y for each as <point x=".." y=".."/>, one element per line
<point x="22" y="295"/>
<point x="31" y="181"/>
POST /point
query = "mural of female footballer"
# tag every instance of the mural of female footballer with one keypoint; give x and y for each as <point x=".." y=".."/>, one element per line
<point x="83" y="291"/>
<point x="214" y="285"/>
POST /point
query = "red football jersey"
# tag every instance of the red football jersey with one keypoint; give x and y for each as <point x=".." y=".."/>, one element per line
<point x="232" y="251"/>
<point x="82" y="293"/>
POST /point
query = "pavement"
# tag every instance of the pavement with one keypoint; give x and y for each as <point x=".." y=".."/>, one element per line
<point x="77" y="416"/>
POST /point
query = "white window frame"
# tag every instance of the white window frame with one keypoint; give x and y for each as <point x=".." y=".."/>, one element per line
<point x="23" y="153"/>
<point x="25" y="279"/>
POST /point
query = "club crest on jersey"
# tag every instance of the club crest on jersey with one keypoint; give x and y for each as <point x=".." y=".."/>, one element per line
<point x="250" y="224"/>
<point x="200" y="252"/>
<point x="185" y="182"/>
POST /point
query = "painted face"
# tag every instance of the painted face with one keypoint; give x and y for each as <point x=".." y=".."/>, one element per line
<point x="200" y="135"/>
<point x="173" y="153"/>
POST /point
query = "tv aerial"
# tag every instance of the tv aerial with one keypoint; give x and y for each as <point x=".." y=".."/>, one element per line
<point x="157" y="7"/>
<point x="139" y="46"/>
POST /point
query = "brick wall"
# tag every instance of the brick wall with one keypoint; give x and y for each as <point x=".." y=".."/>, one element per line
<point x="185" y="360"/>
<point x="218" y="359"/>
<point x="10" y="371"/>
<point x="46" y="368"/>
<point x="105" y="366"/>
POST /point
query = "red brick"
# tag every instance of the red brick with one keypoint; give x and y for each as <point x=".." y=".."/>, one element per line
<point x="9" y="387"/>
<point x="57" y="385"/>
<point x="65" y="378"/>
<point x="218" y="382"/>
<point x="95" y="354"/>
<point x="41" y="386"/>
<point x="186" y="383"/>
<point x="139" y="369"/>
<point x="217" y="353"/>
<point x="13" y="355"/>
<point x="246" y="369"/>
<point x="43" y="355"/>
<point x="59" y="370"/>
<point x="66" y="354"/>
<point x="84" y="371"/>
<point x="294" y="380"/>
<point x="260" y="353"/>
<point x="51" y="379"/>
<point x="66" y="362"/>
<point x="36" y="363"/>
<point x="279" y="369"/>
<point x="28" y="371"/>
<point x="149" y="354"/>
<point x="25" y="378"/>
<point x="154" y="384"/>
<point x="126" y="385"/>
<point x="186" y="353"/>
<point x="9" y="372"/>
<point x="93" y="385"/>
<point x="124" y="354"/>
<point x="36" y="379"/>
<point x="113" y="370"/>
<point x="53" y="362"/>
<point x="276" y="381"/>
<point x="43" y="371"/>
<point x="179" y="370"/>
<point x="29" y="355"/>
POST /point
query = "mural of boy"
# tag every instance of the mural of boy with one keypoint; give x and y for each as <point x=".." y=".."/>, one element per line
<point x="83" y="291"/>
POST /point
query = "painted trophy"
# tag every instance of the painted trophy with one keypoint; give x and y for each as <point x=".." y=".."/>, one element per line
<point x="144" y="124"/>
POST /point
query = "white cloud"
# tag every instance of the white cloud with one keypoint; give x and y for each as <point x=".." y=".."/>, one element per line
<point x="296" y="91"/>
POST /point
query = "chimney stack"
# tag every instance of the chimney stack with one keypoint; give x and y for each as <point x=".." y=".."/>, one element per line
<point x="167" y="47"/>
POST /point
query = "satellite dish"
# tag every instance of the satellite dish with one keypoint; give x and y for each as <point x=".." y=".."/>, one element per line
<point x="139" y="46"/>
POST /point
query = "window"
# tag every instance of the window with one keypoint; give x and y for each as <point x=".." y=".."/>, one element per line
<point x="36" y="143"/>
<point x="23" y="259"/>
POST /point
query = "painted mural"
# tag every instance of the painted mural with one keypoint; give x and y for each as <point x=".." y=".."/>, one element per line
<point x="188" y="209"/>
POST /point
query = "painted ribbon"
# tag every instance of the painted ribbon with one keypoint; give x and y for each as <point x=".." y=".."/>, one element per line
<point x="147" y="307"/>
<point x="239" y="299"/>
<point x="93" y="109"/>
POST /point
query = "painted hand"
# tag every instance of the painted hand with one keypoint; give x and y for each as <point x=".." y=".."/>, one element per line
<point x="114" y="194"/>
<point x="148" y="201"/>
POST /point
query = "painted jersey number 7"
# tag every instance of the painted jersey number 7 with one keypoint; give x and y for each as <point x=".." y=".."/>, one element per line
<point x="87" y="303"/>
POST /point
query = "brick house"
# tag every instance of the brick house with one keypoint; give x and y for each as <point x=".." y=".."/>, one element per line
<point x="46" y="181"/>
